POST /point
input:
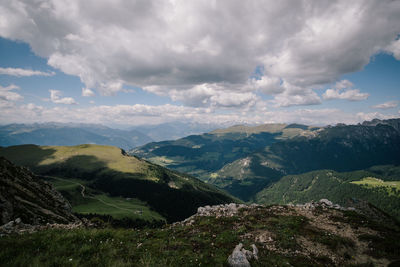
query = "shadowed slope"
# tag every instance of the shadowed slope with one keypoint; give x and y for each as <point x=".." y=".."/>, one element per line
<point x="24" y="195"/>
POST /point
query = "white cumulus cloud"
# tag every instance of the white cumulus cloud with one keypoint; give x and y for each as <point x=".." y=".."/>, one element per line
<point x="87" y="92"/>
<point x="394" y="48"/>
<point x="211" y="95"/>
<point x="55" y="97"/>
<point x="343" y="90"/>
<point x="7" y="93"/>
<point x="180" y="45"/>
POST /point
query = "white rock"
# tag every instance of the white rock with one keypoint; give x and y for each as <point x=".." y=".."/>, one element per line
<point x="326" y="202"/>
<point x="238" y="258"/>
<point x="255" y="251"/>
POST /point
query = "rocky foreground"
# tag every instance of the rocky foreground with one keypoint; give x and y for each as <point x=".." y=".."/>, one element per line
<point x="318" y="231"/>
<point x="314" y="234"/>
<point x="24" y="195"/>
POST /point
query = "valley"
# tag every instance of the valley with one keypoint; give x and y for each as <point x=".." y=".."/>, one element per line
<point x="243" y="160"/>
<point x="111" y="176"/>
<point x="320" y="196"/>
<point x="92" y="203"/>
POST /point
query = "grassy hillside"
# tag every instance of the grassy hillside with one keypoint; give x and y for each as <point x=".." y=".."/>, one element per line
<point x="371" y="182"/>
<point x="202" y="155"/>
<point x="369" y="185"/>
<point x="284" y="236"/>
<point x="85" y="200"/>
<point x="108" y="170"/>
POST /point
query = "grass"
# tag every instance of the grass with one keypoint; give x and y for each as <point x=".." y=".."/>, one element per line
<point x="76" y="156"/>
<point x="371" y="182"/>
<point x="207" y="242"/>
<point x="118" y="208"/>
<point x="163" y="161"/>
<point x="66" y="184"/>
<point x="102" y="204"/>
<point x="109" y="155"/>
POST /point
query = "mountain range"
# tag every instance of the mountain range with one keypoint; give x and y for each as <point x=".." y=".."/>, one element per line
<point x="63" y="134"/>
<point x="69" y="134"/>
<point x="174" y="130"/>
<point x="247" y="161"/>
<point x="292" y="170"/>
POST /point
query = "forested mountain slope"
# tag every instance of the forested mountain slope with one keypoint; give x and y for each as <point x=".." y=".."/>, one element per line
<point x="339" y="148"/>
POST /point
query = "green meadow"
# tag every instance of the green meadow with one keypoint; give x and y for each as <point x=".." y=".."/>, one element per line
<point x="392" y="187"/>
<point x="91" y="203"/>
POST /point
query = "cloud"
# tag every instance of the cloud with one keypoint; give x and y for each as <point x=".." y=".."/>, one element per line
<point x="293" y="95"/>
<point x="394" y="48"/>
<point x="147" y="114"/>
<point x="207" y="95"/>
<point x="267" y="85"/>
<point x="87" y="92"/>
<point x="55" y="97"/>
<point x="343" y="90"/>
<point x="180" y="45"/>
<point x="7" y="94"/>
<point x="24" y="72"/>
<point x="387" y="105"/>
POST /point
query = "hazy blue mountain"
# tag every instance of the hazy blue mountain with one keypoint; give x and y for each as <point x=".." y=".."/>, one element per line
<point x="174" y="130"/>
<point x="70" y="134"/>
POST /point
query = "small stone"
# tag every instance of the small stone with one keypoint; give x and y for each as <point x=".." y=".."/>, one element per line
<point x="255" y="251"/>
<point x="9" y="225"/>
<point x="326" y="202"/>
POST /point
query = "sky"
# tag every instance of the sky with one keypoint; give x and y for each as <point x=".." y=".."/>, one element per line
<point x="222" y="62"/>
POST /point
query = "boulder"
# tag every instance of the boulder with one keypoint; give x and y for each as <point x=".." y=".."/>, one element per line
<point x="238" y="257"/>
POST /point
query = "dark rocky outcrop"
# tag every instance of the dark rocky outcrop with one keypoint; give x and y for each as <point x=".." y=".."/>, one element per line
<point x="24" y="195"/>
